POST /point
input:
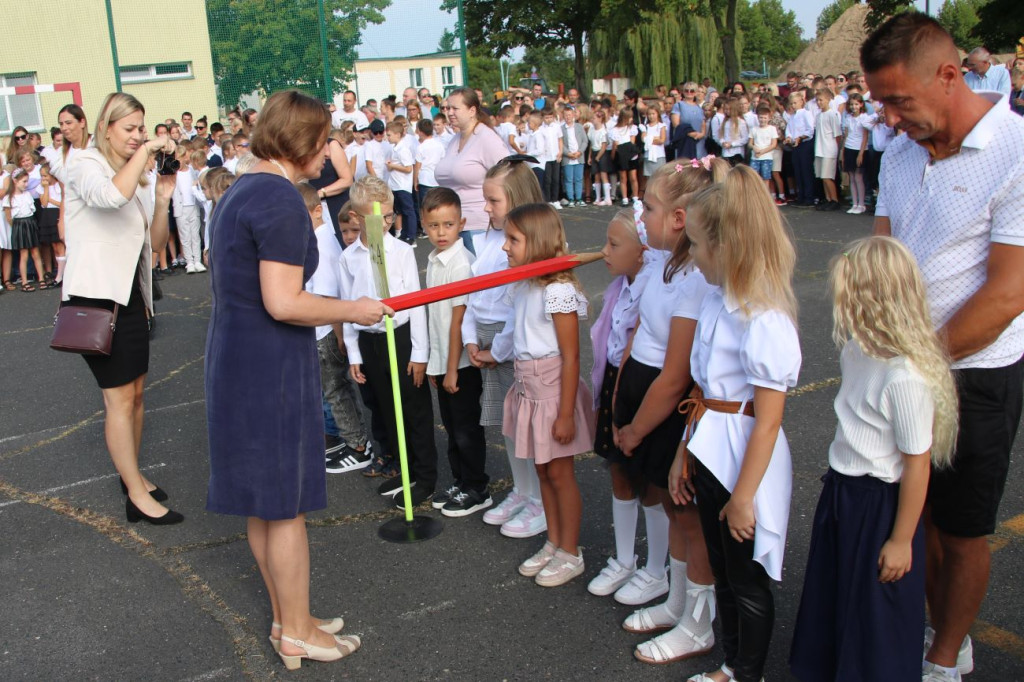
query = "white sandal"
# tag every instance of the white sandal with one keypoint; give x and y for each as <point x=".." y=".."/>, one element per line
<point x="331" y="627"/>
<point x="659" y="651"/>
<point x="640" y="622"/>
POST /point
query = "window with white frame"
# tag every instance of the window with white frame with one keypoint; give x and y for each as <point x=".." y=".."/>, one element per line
<point x="415" y="78"/>
<point x="19" y="110"/>
<point x="447" y="75"/>
<point x="146" y="73"/>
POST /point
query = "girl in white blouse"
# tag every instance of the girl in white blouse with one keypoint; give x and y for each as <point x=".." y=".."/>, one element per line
<point x="745" y="356"/>
<point x="655" y="376"/>
<point x="548" y="411"/>
<point x="897" y="412"/>
<point x="487" y="335"/>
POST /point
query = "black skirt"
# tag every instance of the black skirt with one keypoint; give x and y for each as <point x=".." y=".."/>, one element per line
<point x="129" y="353"/>
<point x="24" y="233"/>
<point x="48" y="232"/>
<point x="604" y="441"/>
<point x="627" y="157"/>
<point x="652" y="459"/>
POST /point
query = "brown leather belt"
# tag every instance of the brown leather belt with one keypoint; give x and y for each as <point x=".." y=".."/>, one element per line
<point x="695" y="405"/>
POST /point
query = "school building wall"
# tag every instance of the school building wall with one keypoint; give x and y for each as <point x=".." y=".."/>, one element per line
<point x="378" y="78"/>
<point x="72" y="43"/>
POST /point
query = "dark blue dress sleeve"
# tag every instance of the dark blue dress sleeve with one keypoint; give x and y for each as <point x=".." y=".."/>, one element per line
<point x="282" y="232"/>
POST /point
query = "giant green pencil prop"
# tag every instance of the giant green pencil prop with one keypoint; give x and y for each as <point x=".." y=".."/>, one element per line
<point x="412" y="528"/>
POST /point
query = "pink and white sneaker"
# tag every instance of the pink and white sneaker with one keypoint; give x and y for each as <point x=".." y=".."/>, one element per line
<point x="527" y="523"/>
<point x="507" y="510"/>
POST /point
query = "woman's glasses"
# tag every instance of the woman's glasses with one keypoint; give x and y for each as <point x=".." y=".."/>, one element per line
<point x="19" y="138"/>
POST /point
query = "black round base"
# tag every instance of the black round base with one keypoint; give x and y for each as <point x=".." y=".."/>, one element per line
<point x="420" y="528"/>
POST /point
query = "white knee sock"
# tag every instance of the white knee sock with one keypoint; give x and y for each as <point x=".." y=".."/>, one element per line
<point x="656" y="521"/>
<point x="61" y="261"/>
<point x="624" y="516"/>
<point x="670" y="611"/>
<point x="524" y="473"/>
<point x="607" y="191"/>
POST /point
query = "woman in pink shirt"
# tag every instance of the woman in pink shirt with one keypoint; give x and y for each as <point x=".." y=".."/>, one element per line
<point x="468" y="157"/>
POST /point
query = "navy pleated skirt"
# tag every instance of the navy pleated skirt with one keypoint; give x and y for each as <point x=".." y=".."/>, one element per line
<point x="851" y="627"/>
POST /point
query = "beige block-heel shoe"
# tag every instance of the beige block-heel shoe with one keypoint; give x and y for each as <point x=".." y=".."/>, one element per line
<point x="344" y="645"/>
<point x="331" y="627"/>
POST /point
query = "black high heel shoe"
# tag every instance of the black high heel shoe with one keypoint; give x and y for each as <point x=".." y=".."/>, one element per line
<point x="157" y="494"/>
<point x="134" y="515"/>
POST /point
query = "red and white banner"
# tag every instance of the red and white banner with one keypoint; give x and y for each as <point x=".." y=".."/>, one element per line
<point x="74" y="88"/>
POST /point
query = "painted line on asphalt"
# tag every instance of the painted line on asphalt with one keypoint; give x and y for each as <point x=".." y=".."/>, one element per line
<point x="815" y="386"/>
<point x="84" y="481"/>
<point x="85" y="422"/>
<point x="427" y="610"/>
<point x="9" y="332"/>
<point x="998" y="638"/>
<point x="36" y="434"/>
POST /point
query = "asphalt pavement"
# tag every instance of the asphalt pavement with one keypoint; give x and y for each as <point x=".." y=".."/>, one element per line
<point x="87" y="596"/>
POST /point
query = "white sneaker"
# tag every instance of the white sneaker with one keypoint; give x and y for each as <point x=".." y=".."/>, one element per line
<point x="507" y="510"/>
<point x="860" y="209"/>
<point x="200" y="267"/>
<point x="527" y="523"/>
<point x="190" y="269"/>
<point x="556" y="205"/>
<point x="562" y="568"/>
<point x="625" y="202"/>
<point x="536" y="563"/>
<point x="612" y="577"/>
<point x="931" y="673"/>
<point x="642" y="588"/>
<point x="964" y="657"/>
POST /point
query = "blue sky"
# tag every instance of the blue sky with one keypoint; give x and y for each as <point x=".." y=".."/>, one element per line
<point x="415" y="26"/>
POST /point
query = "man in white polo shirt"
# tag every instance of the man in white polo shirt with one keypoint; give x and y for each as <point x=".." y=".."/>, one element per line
<point x="952" y="189"/>
<point x="349" y="112"/>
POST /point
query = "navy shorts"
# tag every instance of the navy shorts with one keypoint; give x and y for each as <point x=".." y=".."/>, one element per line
<point x="965" y="498"/>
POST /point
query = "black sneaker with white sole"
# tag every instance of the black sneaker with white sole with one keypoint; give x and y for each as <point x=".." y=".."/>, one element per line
<point x="442" y="498"/>
<point x="419" y="495"/>
<point x="348" y="460"/>
<point x="466" y="502"/>
<point x="393" y="486"/>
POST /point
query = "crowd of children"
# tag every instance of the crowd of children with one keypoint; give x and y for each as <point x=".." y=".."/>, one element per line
<point x="695" y="349"/>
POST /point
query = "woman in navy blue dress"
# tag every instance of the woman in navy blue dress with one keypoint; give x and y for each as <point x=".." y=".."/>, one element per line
<point x="263" y="398"/>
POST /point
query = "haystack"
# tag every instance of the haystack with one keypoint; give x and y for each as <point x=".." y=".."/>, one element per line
<point x="836" y="51"/>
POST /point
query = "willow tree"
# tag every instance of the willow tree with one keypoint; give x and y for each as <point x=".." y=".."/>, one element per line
<point x="657" y="48"/>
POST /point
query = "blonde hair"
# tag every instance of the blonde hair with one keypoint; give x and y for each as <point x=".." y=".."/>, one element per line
<point x="750" y="240"/>
<point x="115" y="106"/>
<point x="879" y="300"/>
<point x="627" y="219"/>
<point x="518" y="182"/>
<point x="367" y="190"/>
<point x="673" y="184"/>
<point x="545" y="238"/>
<point x="245" y="164"/>
<point x="310" y="196"/>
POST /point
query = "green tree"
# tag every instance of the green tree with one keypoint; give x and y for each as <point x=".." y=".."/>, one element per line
<point x="1000" y="25"/>
<point x="656" y="48"/>
<point x="502" y="25"/>
<point x="831" y="13"/>
<point x="959" y="17"/>
<point x="771" y="34"/>
<point x="880" y="10"/>
<point x="448" y="42"/>
<point x="268" y="45"/>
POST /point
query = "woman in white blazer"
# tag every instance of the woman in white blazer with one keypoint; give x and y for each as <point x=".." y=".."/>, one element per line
<point x="111" y="229"/>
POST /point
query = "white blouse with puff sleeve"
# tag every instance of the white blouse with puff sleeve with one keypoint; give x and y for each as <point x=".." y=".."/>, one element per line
<point x="732" y="353"/>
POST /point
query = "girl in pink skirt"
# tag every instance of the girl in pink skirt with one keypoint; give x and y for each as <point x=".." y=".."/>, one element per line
<point x="548" y="411"/>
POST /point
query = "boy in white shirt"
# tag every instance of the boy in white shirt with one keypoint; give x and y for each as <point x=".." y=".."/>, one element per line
<point x="828" y="131"/>
<point x="764" y="138"/>
<point x="339" y="391"/>
<point x="428" y="155"/>
<point x="378" y="149"/>
<point x="538" y="146"/>
<point x="186" y="213"/>
<point x="552" y="130"/>
<point x="507" y="130"/>
<point x="459" y="384"/>
<point x="368" y="352"/>
<point x="400" y="164"/>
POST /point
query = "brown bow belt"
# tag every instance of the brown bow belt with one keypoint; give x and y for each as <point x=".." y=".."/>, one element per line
<point x="695" y="405"/>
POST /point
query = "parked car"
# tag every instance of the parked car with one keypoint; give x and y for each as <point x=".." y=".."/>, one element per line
<point x="750" y="75"/>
